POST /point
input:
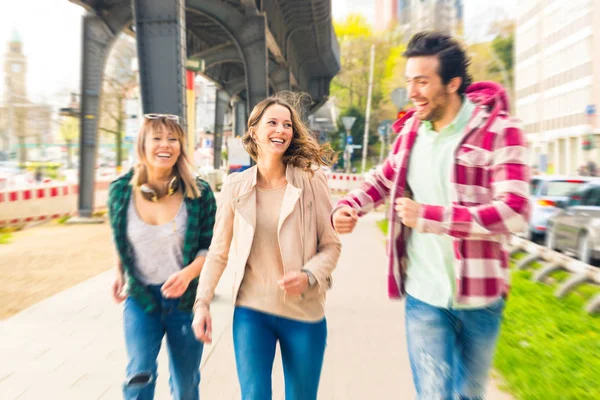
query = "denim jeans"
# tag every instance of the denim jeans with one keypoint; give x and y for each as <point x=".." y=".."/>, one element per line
<point x="451" y="350"/>
<point x="143" y="336"/>
<point x="255" y="335"/>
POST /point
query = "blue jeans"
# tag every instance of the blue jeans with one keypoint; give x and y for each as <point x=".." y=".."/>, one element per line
<point x="255" y="335"/>
<point x="451" y="350"/>
<point x="143" y="336"/>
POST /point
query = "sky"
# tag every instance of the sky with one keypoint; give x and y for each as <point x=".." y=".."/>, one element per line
<point x="51" y="34"/>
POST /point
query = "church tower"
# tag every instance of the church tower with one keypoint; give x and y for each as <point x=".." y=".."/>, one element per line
<point x="15" y="68"/>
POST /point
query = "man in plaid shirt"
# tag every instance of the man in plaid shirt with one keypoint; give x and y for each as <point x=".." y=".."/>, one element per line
<point x="458" y="179"/>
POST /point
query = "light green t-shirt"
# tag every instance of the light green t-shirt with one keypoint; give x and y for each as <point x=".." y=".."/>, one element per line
<point x="430" y="274"/>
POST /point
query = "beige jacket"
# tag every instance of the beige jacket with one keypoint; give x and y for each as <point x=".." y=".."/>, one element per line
<point x="306" y="236"/>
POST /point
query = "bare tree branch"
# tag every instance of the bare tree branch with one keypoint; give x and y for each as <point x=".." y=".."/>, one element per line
<point x="109" y="131"/>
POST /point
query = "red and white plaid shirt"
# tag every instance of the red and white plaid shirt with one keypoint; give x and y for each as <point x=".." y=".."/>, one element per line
<point x="490" y="198"/>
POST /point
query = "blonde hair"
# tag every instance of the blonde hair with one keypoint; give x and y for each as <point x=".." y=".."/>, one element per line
<point x="183" y="168"/>
<point x="304" y="151"/>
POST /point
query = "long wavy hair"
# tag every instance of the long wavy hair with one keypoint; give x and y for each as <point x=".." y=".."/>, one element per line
<point x="183" y="168"/>
<point x="304" y="151"/>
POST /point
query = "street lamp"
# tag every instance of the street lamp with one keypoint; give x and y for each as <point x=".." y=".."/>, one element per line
<point x="69" y="126"/>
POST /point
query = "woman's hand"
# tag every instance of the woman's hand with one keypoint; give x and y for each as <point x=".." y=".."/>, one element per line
<point x="202" y="324"/>
<point x="117" y="288"/>
<point x="176" y="285"/>
<point x="294" y="283"/>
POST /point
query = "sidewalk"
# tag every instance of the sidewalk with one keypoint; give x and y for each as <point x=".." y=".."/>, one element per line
<point x="70" y="346"/>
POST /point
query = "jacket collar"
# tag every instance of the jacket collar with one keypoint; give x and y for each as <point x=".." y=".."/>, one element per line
<point x="245" y="202"/>
<point x="291" y="175"/>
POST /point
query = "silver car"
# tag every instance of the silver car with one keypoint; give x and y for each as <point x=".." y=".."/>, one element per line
<point x="575" y="229"/>
<point x="546" y="191"/>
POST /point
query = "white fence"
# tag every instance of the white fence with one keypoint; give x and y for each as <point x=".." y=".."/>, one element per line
<point x="554" y="261"/>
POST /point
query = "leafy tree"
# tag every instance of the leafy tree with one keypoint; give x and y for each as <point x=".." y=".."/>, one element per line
<point x="503" y="47"/>
<point x="119" y="82"/>
<point x="350" y="86"/>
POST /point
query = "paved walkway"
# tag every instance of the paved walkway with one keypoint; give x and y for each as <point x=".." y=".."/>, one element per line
<point x="70" y="346"/>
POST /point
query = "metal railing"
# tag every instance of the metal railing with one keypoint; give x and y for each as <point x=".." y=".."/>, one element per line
<point x="555" y="261"/>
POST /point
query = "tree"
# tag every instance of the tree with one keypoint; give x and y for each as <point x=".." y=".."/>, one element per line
<point x="350" y="86"/>
<point x="119" y="82"/>
<point x="502" y="50"/>
<point x="503" y="47"/>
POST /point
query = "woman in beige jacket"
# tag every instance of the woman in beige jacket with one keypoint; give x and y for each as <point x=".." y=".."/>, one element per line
<point x="272" y="227"/>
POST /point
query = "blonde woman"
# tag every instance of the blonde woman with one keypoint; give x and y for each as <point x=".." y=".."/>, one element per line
<point x="162" y="218"/>
<point x="274" y="217"/>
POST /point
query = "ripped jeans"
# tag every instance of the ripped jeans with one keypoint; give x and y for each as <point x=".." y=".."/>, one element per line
<point x="451" y="350"/>
<point x="143" y="336"/>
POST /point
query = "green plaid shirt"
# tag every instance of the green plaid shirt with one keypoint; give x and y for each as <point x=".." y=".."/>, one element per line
<point x="201" y="218"/>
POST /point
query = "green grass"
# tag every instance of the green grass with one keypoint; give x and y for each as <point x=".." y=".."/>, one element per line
<point x="6" y="234"/>
<point x="549" y="348"/>
<point x="63" y="219"/>
<point x="5" y="237"/>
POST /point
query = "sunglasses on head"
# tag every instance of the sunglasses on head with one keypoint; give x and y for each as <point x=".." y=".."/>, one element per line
<point x="171" y="117"/>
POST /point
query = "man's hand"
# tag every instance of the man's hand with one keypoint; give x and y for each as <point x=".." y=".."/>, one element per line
<point x="176" y="285"/>
<point x="344" y="219"/>
<point x="202" y="324"/>
<point x="294" y="283"/>
<point x="408" y="211"/>
<point x="117" y="288"/>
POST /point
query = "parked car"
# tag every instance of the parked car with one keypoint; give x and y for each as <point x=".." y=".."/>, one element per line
<point x="546" y="191"/>
<point x="575" y="229"/>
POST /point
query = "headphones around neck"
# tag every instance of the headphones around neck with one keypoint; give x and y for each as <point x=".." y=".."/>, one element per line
<point x="151" y="194"/>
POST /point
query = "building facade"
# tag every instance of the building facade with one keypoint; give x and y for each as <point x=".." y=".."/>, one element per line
<point x="418" y="15"/>
<point x="557" y="81"/>
<point x="23" y="125"/>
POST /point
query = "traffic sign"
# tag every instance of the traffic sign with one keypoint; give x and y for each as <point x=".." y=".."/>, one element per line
<point x="349" y="139"/>
<point x="195" y="64"/>
<point x="399" y="97"/>
<point x="383" y="127"/>
<point x="590" y="109"/>
<point x="348" y="122"/>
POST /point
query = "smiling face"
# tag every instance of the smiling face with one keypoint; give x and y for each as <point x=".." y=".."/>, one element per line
<point x="162" y="149"/>
<point x="274" y="132"/>
<point x="426" y="89"/>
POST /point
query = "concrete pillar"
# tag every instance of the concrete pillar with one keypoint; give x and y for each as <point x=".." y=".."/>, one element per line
<point x="222" y="99"/>
<point x="281" y="78"/>
<point x="249" y="32"/>
<point x="161" y="45"/>
<point x="97" y="38"/>
<point x="253" y="42"/>
<point x="240" y="118"/>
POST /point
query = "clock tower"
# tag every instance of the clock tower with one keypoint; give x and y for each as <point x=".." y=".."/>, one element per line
<point x="15" y="68"/>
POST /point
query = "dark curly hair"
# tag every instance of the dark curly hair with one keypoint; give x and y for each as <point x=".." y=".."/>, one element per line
<point x="453" y="58"/>
<point x="304" y="151"/>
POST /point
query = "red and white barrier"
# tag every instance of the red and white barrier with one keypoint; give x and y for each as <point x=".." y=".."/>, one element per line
<point x="342" y="183"/>
<point x="45" y="202"/>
